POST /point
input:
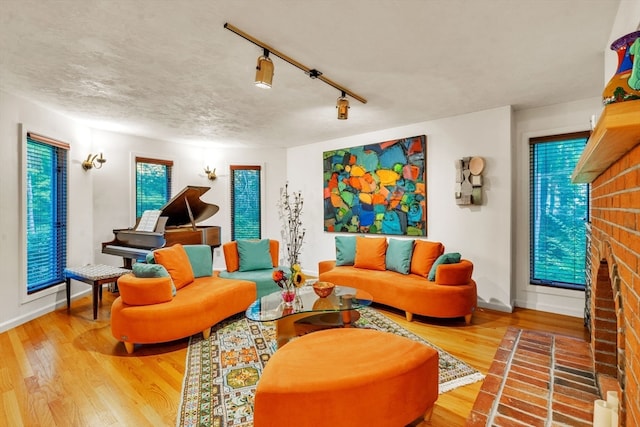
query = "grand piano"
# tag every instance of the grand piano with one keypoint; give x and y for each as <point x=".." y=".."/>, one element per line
<point x="174" y="223"/>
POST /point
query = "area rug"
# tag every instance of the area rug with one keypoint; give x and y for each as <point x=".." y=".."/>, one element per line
<point x="221" y="373"/>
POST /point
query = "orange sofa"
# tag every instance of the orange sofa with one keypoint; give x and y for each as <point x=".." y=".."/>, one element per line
<point x="405" y="284"/>
<point x="185" y="298"/>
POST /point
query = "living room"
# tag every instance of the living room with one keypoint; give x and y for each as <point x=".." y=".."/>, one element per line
<point x="494" y="235"/>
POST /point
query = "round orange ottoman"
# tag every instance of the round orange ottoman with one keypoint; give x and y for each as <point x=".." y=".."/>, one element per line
<point x="347" y="377"/>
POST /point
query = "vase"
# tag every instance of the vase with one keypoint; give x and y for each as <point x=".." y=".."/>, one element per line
<point x="288" y="295"/>
<point x="625" y="84"/>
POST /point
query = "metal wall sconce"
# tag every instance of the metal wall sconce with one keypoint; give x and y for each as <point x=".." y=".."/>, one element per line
<point x="211" y="174"/>
<point x="95" y="161"/>
<point x="264" y="72"/>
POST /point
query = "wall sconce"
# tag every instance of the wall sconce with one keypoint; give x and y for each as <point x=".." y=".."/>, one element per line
<point x="211" y="174"/>
<point x="95" y="161"/>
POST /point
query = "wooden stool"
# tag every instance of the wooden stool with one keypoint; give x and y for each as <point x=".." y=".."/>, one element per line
<point x="94" y="275"/>
<point x="347" y="377"/>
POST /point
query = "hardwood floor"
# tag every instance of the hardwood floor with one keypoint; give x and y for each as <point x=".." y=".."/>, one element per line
<point x="67" y="370"/>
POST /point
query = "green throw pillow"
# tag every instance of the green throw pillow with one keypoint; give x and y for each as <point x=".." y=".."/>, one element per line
<point x="399" y="253"/>
<point x="449" y="258"/>
<point x="143" y="270"/>
<point x="200" y="260"/>
<point x="254" y="255"/>
<point x="345" y="250"/>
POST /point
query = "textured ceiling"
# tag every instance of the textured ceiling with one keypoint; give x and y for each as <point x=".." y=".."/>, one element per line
<point x="169" y="70"/>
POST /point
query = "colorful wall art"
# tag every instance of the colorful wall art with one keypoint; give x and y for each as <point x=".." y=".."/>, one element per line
<point x="377" y="188"/>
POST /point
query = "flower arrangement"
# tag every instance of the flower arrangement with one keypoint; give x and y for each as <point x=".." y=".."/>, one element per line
<point x="290" y="211"/>
<point x="289" y="284"/>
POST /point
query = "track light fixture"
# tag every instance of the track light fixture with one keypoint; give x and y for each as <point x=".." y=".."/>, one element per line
<point x="343" y="107"/>
<point x="264" y="72"/>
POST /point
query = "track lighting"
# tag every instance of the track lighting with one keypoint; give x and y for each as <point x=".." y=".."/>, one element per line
<point x="264" y="72"/>
<point x="343" y="107"/>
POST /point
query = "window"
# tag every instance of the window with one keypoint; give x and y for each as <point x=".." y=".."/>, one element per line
<point x="245" y="202"/>
<point x="559" y="212"/>
<point x="46" y="212"/>
<point x="153" y="184"/>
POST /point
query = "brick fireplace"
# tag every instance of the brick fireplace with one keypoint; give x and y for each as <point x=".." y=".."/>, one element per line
<point x="614" y="255"/>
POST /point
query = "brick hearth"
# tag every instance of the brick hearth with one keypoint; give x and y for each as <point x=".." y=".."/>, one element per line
<point x="537" y="379"/>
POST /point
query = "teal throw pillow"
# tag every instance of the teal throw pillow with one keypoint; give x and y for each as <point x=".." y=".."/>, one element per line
<point x="146" y="271"/>
<point x="399" y="252"/>
<point x="150" y="258"/>
<point x="200" y="260"/>
<point x="345" y="250"/>
<point x="448" y="258"/>
<point x="254" y="255"/>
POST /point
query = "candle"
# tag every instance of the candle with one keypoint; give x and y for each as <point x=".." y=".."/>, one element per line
<point x="612" y="400"/>
<point x="601" y="414"/>
<point x="614" y="419"/>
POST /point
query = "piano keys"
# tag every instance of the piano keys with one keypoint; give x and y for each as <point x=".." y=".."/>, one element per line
<point x="177" y="224"/>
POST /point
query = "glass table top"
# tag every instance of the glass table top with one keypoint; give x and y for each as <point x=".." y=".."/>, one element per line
<point x="271" y="307"/>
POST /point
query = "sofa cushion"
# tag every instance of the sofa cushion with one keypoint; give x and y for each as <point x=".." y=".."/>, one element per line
<point x="424" y="255"/>
<point x="448" y="258"/>
<point x="200" y="259"/>
<point x="143" y="270"/>
<point x="370" y="253"/>
<point x="176" y="261"/>
<point x="398" y="256"/>
<point x="254" y="255"/>
<point x="144" y="291"/>
<point x="345" y="250"/>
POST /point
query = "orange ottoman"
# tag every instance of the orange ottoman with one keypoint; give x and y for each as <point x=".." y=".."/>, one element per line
<point x="347" y="377"/>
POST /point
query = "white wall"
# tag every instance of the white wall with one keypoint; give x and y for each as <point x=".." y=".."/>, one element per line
<point x="114" y="201"/>
<point x="15" y="306"/>
<point x="480" y="233"/>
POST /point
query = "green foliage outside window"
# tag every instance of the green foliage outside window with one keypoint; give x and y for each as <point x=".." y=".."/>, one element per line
<point x="46" y="215"/>
<point x="245" y="202"/>
<point x="559" y="213"/>
<point x="153" y="185"/>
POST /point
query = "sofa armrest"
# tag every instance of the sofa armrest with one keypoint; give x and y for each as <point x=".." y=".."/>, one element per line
<point x="454" y="274"/>
<point x="324" y="266"/>
<point x="144" y="291"/>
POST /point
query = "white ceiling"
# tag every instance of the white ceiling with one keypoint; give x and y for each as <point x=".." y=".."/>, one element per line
<point x="168" y="69"/>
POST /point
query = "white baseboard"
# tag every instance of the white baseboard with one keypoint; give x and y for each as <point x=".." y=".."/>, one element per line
<point x="567" y="311"/>
<point x="41" y="311"/>
<point x="498" y="306"/>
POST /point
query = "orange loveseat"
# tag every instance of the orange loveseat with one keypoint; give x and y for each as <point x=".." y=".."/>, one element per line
<point x="405" y="284"/>
<point x="189" y="299"/>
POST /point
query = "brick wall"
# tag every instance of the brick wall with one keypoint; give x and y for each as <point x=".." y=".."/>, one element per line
<point x="615" y="249"/>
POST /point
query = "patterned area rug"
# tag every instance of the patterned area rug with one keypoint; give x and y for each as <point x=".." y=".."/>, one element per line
<point x="222" y="372"/>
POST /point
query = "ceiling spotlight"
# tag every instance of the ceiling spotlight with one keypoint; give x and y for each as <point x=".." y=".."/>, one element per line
<point x="343" y="107"/>
<point x="264" y="71"/>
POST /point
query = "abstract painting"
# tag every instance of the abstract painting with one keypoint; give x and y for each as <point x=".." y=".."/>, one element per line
<point x="377" y="188"/>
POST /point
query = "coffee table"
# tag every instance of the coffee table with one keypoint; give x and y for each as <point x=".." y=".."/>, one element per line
<point x="309" y="312"/>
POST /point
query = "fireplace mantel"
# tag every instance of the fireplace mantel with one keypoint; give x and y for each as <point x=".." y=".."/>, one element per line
<point x="617" y="132"/>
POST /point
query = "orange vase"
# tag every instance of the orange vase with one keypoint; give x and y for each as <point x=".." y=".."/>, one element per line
<point x="625" y="84"/>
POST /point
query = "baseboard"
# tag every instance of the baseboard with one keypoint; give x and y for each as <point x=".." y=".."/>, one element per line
<point x="498" y="306"/>
<point x="566" y="311"/>
<point x="41" y="311"/>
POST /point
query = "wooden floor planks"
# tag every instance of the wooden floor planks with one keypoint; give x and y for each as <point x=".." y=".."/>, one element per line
<point x="65" y="369"/>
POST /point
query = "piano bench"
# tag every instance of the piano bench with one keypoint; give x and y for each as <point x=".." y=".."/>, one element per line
<point x="94" y="275"/>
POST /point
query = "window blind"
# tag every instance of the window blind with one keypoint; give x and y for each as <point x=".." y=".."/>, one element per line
<point x="559" y="211"/>
<point x="245" y="202"/>
<point x="153" y="183"/>
<point x="46" y="203"/>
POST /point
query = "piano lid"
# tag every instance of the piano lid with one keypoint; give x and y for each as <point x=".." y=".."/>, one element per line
<point x="177" y="211"/>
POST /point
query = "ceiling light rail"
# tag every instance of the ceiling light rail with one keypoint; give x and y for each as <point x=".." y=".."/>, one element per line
<point x="265" y="67"/>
